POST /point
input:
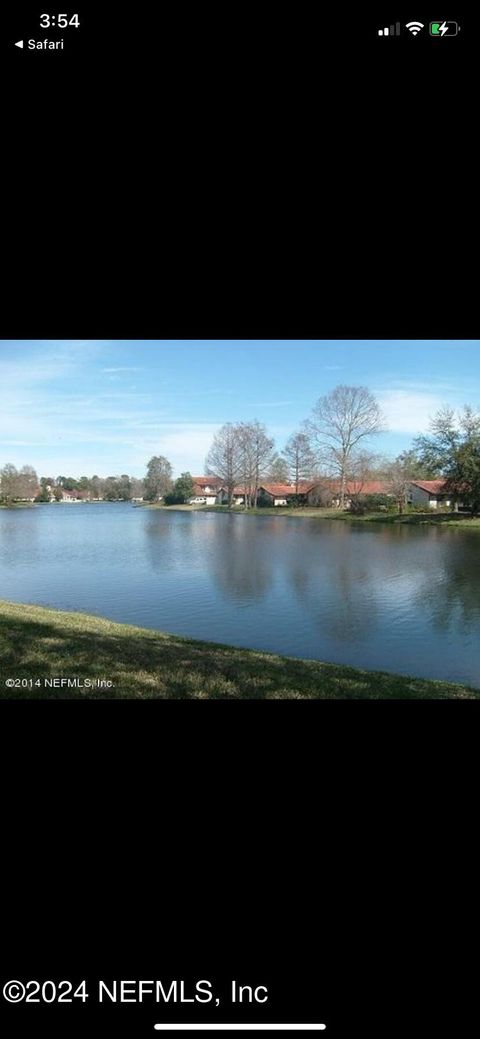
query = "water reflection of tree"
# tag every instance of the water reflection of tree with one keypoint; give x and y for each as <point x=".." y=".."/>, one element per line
<point x="19" y="531"/>
<point x="453" y="598"/>
<point x="164" y="533"/>
<point x="333" y="582"/>
<point x="243" y="564"/>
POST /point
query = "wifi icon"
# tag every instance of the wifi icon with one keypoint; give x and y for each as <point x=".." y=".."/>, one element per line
<point x="414" y="27"/>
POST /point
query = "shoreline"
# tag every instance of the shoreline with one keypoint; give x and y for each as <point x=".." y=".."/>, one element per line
<point x="449" y="519"/>
<point x="413" y="519"/>
<point x="42" y="647"/>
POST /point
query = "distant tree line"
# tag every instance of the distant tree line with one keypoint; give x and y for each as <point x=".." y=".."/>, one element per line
<point x="110" y="488"/>
<point x="24" y="485"/>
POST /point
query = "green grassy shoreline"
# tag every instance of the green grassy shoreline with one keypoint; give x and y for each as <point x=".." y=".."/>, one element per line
<point x="449" y="519"/>
<point x="40" y="644"/>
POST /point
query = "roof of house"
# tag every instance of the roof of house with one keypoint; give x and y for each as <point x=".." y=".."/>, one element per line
<point x="368" y="487"/>
<point x="207" y="481"/>
<point x="432" y="486"/>
<point x="280" y="490"/>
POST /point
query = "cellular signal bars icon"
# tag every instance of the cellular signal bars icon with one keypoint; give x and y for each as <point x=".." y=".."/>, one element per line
<point x="394" y="30"/>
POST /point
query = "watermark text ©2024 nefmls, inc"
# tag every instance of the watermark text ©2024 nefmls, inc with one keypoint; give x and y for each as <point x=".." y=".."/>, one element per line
<point x="129" y="991"/>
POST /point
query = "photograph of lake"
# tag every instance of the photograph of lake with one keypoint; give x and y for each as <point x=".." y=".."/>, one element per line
<point x="313" y="500"/>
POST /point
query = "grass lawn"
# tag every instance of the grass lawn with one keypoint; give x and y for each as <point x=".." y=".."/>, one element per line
<point x="451" y="519"/>
<point x="39" y="644"/>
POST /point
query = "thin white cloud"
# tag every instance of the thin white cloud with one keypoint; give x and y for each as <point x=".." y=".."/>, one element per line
<point x="126" y="369"/>
<point x="408" y="411"/>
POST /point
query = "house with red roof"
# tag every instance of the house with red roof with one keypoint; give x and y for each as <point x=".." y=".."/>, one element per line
<point x="69" y="495"/>
<point x="358" y="490"/>
<point x="324" y="492"/>
<point x="286" y="493"/>
<point x="367" y="487"/>
<point x="208" y="487"/>
<point x="431" y="493"/>
<point x="238" y="496"/>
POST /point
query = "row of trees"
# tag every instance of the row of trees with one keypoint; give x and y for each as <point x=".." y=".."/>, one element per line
<point x="24" y="484"/>
<point x="111" y="488"/>
<point x="329" y="443"/>
<point x="333" y="444"/>
<point x="242" y="455"/>
<point x="17" y="484"/>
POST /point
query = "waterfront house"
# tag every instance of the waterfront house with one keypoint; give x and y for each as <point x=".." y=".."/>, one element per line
<point x="238" y="496"/>
<point x="207" y="487"/>
<point x="69" y="495"/>
<point x="356" y="490"/>
<point x="278" y="494"/>
<point x="431" y="493"/>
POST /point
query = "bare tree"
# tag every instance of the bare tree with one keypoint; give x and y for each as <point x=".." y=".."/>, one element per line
<point x="137" y="487"/>
<point x="28" y="482"/>
<point x="300" y="458"/>
<point x="361" y="469"/>
<point x="340" y="421"/>
<point x="256" y="450"/>
<point x="224" y="458"/>
<point x="398" y="478"/>
<point x="278" y="470"/>
<point x="9" y="477"/>
<point x="17" y="484"/>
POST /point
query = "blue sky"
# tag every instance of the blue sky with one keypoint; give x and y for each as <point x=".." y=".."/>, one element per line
<point x="75" y="407"/>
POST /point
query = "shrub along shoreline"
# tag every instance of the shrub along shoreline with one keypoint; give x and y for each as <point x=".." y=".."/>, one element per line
<point x="39" y="647"/>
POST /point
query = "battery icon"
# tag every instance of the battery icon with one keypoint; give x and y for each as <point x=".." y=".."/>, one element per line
<point x="444" y="28"/>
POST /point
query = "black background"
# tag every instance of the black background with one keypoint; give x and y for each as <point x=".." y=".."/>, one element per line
<point x="241" y="171"/>
<point x="237" y="170"/>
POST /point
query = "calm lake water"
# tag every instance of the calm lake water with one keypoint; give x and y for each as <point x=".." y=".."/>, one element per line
<point x="403" y="599"/>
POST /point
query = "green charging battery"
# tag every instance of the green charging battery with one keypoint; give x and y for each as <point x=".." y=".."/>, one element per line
<point x="444" y="28"/>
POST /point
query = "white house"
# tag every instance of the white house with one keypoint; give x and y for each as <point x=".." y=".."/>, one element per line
<point x="207" y="487"/>
<point x="238" y="496"/>
<point x="430" y="493"/>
